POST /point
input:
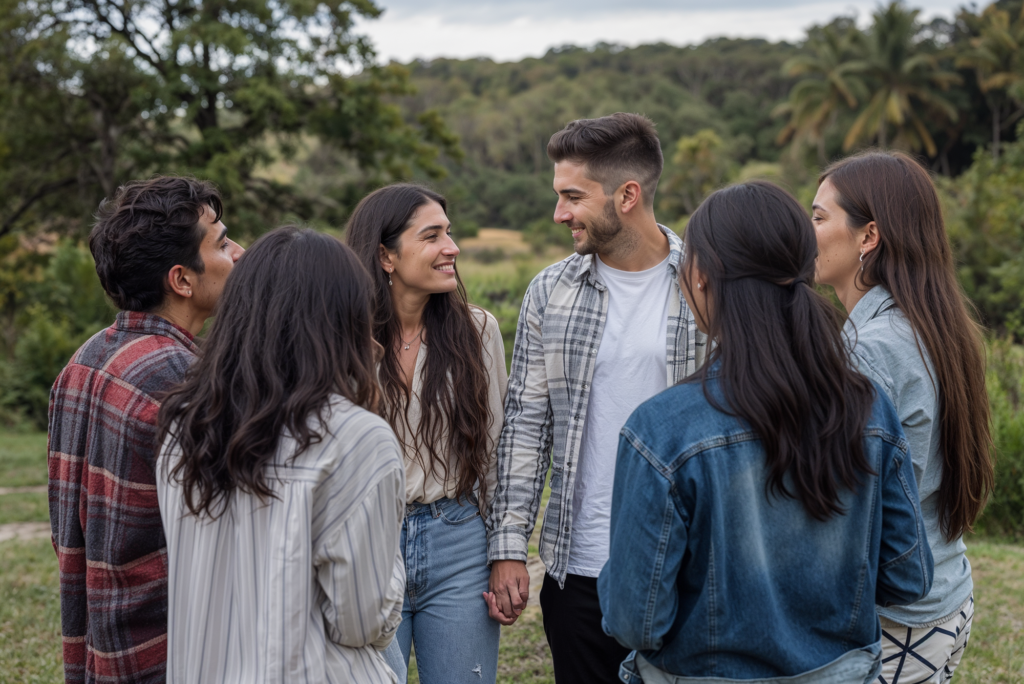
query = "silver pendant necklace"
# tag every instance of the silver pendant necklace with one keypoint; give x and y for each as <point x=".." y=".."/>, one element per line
<point x="409" y="343"/>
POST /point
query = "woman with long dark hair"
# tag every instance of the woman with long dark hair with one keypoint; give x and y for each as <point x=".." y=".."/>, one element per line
<point x="443" y="382"/>
<point x="281" y="492"/>
<point x="884" y="249"/>
<point x="762" y="506"/>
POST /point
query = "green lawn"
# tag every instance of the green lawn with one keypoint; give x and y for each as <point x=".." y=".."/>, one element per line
<point x="30" y="604"/>
<point x="22" y="459"/>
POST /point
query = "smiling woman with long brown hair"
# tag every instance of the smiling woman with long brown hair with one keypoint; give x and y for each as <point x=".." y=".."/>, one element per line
<point x="443" y="383"/>
<point x="883" y="246"/>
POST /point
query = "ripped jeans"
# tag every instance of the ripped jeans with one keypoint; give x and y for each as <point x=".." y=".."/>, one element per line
<point x="445" y="549"/>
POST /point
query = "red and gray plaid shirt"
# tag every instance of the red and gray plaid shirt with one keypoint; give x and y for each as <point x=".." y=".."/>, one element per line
<point x="103" y="504"/>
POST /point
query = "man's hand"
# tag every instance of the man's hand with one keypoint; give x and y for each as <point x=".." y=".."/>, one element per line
<point x="509" y="590"/>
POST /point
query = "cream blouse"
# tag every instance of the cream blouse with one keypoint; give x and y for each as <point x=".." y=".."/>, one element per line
<point x="425" y="487"/>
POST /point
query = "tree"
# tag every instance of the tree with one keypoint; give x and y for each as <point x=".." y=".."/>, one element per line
<point x="701" y="164"/>
<point x="904" y="80"/>
<point x="215" y="88"/>
<point x="997" y="57"/>
<point x="830" y="84"/>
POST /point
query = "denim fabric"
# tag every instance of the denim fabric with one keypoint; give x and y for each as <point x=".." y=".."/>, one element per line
<point x="445" y="548"/>
<point x="710" y="578"/>
<point x="886" y="350"/>
<point x="849" y="668"/>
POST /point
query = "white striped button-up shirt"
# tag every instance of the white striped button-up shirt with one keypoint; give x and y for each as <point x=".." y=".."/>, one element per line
<point x="306" y="587"/>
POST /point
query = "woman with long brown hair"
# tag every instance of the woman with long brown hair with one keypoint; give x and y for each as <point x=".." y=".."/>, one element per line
<point x="764" y="504"/>
<point x="884" y="249"/>
<point x="281" y="492"/>
<point x="443" y="382"/>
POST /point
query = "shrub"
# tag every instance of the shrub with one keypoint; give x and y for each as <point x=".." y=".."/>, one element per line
<point x="544" y="232"/>
<point x="1004" y="514"/>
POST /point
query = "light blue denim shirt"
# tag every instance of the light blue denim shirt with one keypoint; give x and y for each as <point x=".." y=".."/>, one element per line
<point x="710" y="579"/>
<point x="885" y="349"/>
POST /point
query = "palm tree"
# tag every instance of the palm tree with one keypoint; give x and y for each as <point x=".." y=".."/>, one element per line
<point x="904" y="81"/>
<point x="997" y="58"/>
<point x="829" y="86"/>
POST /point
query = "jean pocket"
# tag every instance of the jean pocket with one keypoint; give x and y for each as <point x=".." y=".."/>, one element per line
<point x="458" y="512"/>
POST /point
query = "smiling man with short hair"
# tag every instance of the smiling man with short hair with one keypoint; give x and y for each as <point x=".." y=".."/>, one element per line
<point x="599" y="333"/>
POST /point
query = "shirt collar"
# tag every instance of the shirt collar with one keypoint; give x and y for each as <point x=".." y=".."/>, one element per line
<point x="877" y="300"/>
<point x="151" y="324"/>
<point x="675" y="256"/>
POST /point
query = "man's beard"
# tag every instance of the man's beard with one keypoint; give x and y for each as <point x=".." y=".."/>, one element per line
<point x="601" y="231"/>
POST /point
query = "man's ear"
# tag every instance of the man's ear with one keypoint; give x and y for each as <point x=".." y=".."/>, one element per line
<point x="632" y="195"/>
<point x="181" y="280"/>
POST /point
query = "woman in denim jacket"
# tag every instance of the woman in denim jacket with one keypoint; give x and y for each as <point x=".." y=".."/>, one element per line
<point x="764" y="506"/>
<point x="884" y="249"/>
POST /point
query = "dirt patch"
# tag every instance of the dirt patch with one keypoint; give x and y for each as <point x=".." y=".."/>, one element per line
<point x="24" y="531"/>
<point x="38" y="489"/>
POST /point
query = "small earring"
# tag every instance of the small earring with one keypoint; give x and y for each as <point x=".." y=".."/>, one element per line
<point x="862" y="255"/>
<point x="190" y="293"/>
<point x="389" y="279"/>
<point x="699" y="286"/>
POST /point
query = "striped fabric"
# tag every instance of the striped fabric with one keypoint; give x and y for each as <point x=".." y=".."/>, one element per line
<point x="103" y="503"/>
<point x="560" y="326"/>
<point x="306" y="587"/>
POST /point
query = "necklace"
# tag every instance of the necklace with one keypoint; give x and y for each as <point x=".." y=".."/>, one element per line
<point x="409" y="343"/>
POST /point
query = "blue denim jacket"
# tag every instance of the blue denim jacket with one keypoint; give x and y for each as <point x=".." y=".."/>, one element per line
<point x="709" y="578"/>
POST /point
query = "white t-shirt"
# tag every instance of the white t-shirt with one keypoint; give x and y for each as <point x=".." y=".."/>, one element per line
<point x="631" y="367"/>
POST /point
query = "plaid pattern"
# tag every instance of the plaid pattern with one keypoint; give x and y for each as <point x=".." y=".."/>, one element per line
<point x="560" y="326"/>
<point x="103" y="503"/>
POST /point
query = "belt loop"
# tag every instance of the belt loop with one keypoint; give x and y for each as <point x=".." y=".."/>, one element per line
<point x="435" y="511"/>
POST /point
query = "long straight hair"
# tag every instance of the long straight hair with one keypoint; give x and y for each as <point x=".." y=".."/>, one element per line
<point x="784" y="367"/>
<point x="914" y="262"/>
<point x="453" y="422"/>
<point x="293" y="329"/>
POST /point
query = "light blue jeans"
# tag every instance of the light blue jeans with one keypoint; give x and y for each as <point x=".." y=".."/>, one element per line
<point x="445" y="549"/>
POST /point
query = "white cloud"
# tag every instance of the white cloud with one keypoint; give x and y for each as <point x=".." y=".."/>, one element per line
<point x="520" y="28"/>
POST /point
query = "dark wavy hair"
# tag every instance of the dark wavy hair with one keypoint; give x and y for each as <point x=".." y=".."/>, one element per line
<point x="784" y="366"/>
<point x="453" y="424"/>
<point x="914" y="262"/>
<point x="293" y="328"/>
<point x="614" y="148"/>
<point x="148" y="227"/>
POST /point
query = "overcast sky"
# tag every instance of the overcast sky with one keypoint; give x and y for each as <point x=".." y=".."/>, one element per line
<point x="512" y="29"/>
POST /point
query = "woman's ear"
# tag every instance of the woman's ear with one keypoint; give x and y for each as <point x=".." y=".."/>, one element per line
<point x="385" y="259"/>
<point x="869" y="241"/>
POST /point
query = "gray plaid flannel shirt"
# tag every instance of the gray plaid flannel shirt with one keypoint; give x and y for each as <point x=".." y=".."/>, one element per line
<point x="560" y="326"/>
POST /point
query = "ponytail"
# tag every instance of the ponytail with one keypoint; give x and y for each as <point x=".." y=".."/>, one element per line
<point x="784" y="367"/>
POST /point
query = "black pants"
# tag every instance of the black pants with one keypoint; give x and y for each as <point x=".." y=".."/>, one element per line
<point x="582" y="653"/>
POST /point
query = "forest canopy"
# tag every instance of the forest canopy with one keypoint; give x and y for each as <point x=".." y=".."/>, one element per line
<point x="288" y="110"/>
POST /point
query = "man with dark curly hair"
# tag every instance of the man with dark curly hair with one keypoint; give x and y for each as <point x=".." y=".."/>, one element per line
<point x="162" y="255"/>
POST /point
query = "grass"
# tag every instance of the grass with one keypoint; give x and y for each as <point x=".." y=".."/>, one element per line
<point x="24" y="507"/>
<point x="996" y="649"/>
<point x="22" y="459"/>
<point x="30" y="648"/>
